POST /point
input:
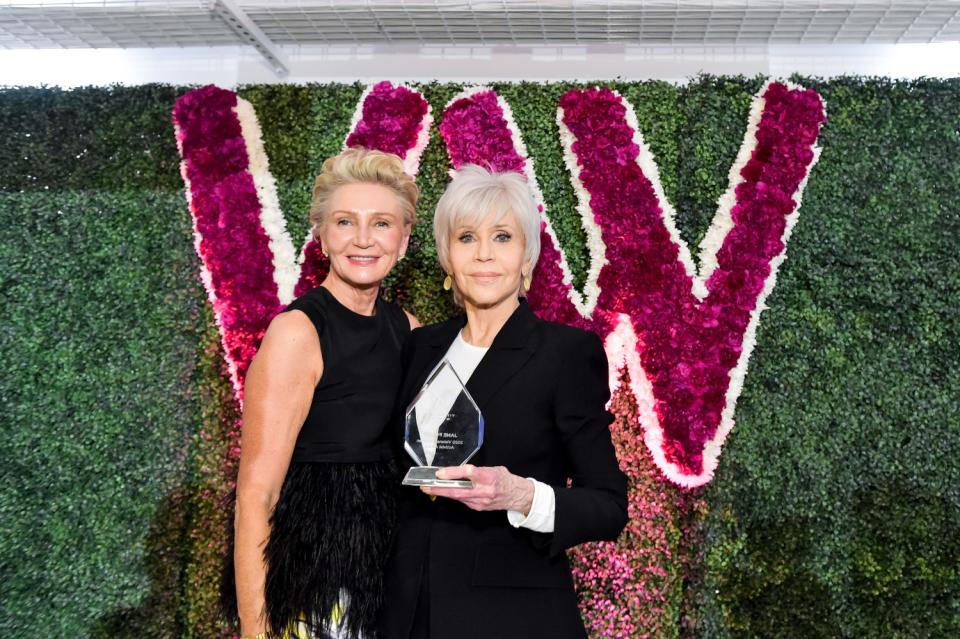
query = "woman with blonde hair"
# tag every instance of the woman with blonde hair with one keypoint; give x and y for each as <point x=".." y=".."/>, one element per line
<point x="315" y="498"/>
<point x="488" y="562"/>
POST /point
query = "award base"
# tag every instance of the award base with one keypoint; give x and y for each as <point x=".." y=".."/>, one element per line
<point x="427" y="476"/>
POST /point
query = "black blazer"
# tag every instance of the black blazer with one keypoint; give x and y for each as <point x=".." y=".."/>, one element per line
<point x="542" y="389"/>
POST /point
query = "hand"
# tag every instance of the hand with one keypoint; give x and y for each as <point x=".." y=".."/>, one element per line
<point x="494" y="488"/>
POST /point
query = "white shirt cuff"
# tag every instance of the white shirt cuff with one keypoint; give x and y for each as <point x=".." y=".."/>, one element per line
<point x="542" y="510"/>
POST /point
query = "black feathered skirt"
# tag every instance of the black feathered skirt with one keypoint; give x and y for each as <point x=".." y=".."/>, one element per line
<point x="330" y="536"/>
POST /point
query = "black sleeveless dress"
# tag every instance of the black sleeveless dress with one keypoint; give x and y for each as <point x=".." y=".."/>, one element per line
<point x="332" y="525"/>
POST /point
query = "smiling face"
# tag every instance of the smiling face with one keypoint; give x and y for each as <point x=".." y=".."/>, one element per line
<point x="487" y="261"/>
<point x="363" y="233"/>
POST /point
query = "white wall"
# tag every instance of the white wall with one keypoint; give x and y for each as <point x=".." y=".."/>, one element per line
<point x="229" y="66"/>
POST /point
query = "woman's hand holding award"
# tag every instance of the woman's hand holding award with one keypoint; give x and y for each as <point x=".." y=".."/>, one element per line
<point x="444" y="427"/>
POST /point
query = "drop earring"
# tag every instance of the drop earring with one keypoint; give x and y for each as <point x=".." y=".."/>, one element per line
<point x="447" y="283"/>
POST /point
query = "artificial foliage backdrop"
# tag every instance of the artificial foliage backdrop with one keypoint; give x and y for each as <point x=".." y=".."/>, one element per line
<point x="834" y="510"/>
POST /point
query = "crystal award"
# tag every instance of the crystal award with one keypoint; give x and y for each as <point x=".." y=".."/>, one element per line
<point x="444" y="427"/>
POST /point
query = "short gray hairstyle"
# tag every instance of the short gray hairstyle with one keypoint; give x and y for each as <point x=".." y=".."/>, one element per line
<point x="472" y="195"/>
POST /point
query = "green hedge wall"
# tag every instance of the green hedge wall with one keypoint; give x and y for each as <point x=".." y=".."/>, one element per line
<point x="835" y="511"/>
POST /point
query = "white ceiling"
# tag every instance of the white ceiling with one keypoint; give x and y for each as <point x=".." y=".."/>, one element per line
<point x="269" y="25"/>
<point x="156" y="23"/>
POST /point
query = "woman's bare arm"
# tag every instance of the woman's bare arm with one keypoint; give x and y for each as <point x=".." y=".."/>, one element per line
<point x="277" y="395"/>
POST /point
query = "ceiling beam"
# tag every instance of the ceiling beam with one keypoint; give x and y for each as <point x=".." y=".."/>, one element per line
<point x="238" y="20"/>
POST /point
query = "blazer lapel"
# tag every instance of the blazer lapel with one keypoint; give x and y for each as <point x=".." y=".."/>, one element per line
<point x="512" y="347"/>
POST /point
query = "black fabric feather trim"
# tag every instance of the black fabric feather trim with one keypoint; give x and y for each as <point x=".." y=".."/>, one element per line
<point x="331" y="529"/>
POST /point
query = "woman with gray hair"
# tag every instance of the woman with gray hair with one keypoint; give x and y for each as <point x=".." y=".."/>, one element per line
<point x="489" y="561"/>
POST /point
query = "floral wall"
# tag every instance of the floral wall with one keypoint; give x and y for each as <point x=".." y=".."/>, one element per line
<point x="772" y="266"/>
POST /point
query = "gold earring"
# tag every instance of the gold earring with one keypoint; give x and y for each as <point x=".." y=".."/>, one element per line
<point x="526" y="282"/>
<point x="447" y="283"/>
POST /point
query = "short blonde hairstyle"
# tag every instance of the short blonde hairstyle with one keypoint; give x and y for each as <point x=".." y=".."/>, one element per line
<point x="476" y="193"/>
<point x="366" y="166"/>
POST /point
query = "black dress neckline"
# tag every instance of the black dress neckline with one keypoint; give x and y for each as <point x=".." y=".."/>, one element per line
<point x="377" y="311"/>
<point x="353" y="401"/>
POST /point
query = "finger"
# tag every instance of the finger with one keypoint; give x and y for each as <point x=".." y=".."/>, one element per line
<point x="456" y="472"/>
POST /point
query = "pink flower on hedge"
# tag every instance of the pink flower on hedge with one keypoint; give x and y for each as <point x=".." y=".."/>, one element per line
<point x="686" y="338"/>
<point x="692" y="333"/>
<point x="226" y="215"/>
<point x="682" y="339"/>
